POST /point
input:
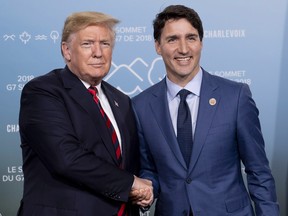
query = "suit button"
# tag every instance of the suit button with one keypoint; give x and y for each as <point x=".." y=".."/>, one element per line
<point x="188" y="180"/>
<point x="185" y="212"/>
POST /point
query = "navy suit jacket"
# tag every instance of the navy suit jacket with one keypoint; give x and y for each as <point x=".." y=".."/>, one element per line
<point x="69" y="161"/>
<point x="226" y="133"/>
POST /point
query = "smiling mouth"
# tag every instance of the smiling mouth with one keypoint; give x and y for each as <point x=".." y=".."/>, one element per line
<point x="183" y="58"/>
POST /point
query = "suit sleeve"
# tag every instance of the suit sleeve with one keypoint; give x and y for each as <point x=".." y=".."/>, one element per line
<point x="260" y="181"/>
<point x="147" y="165"/>
<point x="46" y="129"/>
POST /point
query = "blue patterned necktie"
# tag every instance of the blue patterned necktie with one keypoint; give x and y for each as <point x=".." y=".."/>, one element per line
<point x="184" y="126"/>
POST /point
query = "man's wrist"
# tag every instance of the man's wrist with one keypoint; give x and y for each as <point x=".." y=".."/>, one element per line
<point x="133" y="185"/>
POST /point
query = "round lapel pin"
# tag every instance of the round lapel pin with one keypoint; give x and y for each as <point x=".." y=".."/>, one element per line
<point x="212" y="101"/>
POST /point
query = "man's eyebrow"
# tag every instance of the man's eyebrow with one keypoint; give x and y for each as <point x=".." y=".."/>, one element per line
<point x="192" y="34"/>
<point x="172" y="36"/>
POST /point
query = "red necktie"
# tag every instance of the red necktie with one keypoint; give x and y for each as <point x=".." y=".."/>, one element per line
<point x="93" y="91"/>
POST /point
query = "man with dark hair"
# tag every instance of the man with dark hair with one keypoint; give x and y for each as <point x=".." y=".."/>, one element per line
<point x="195" y="129"/>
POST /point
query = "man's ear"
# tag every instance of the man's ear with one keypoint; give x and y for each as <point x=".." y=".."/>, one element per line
<point x="66" y="51"/>
<point x="157" y="47"/>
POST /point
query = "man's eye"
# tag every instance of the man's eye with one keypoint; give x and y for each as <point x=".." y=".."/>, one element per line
<point x="106" y="44"/>
<point x="171" y="40"/>
<point x="193" y="38"/>
<point x="86" y="44"/>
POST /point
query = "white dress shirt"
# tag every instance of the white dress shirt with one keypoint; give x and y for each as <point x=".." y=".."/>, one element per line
<point x="194" y="87"/>
<point x="107" y="109"/>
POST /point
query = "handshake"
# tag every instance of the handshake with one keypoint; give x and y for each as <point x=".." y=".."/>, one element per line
<point x="142" y="192"/>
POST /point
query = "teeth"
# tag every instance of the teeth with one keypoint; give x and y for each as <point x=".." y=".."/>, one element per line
<point x="183" y="59"/>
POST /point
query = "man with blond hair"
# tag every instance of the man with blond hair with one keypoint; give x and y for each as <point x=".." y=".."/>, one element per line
<point x="78" y="133"/>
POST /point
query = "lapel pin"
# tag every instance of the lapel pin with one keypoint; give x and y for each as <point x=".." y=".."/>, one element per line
<point x="212" y="101"/>
<point x="116" y="104"/>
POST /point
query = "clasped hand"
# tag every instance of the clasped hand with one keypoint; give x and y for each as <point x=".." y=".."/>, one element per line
<point x="142" y="192"/>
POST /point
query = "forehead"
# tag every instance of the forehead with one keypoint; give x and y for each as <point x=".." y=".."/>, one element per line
<point x="180" y="26"/>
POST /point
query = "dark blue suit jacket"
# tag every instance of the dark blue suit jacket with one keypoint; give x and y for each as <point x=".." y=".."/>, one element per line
<point x="226" y="133"/>
<point x="69" y="162"/>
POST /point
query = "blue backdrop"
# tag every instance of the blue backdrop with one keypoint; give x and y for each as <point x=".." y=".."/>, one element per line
<point x="246" y="41"/>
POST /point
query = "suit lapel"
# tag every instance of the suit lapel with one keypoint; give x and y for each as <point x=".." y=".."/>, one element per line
<point x="80" y="94"/>
<point x="160" y="110"/>
<point x="206" y="112"/>
<point x="115" y="105"/>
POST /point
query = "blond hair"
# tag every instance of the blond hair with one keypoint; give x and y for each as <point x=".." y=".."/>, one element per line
<point x="80" y="20"/>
